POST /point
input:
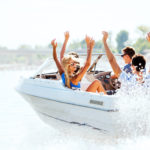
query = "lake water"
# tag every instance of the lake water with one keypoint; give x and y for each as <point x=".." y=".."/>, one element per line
<point x="21" y="129"/>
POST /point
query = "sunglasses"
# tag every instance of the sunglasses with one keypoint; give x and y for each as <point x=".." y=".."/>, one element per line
<point x="123" y="55"/>
<point x="73" y="64"/>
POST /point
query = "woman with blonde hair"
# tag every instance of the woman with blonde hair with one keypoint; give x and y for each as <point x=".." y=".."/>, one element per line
<point x="68" y="66"/>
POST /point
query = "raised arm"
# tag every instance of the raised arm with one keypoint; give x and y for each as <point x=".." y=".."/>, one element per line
<point x="60" y="68"/>
<point x="90" y="44"/>
<point x="148" y="37"/>
<point x="64" y="46"/>
<point x="110" y="56"/>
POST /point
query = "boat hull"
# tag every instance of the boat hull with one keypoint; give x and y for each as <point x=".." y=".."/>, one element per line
<point x="89" y="110"/>
<point x="50" y="111"/>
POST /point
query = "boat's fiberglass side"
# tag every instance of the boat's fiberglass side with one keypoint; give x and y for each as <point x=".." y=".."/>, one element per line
<point x="51" y="100"/>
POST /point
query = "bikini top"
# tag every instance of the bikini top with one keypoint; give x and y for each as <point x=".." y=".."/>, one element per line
<point x="73" y="86"/>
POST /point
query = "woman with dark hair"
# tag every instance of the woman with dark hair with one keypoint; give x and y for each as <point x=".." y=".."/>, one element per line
<point x="138" y="66"/>
<point x="138" y="69"/>
<point x="138" y="62"/>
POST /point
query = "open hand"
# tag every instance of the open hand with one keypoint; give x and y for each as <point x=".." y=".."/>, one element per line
<point x="87" y="40"/>
<point x="90" y="46"/>
<point x="148" y="37"/>
<point x="105" y="35"/>
<point x="54" y="43"/>
<point x="92" y="43"/>
<point x="66" y="35"/>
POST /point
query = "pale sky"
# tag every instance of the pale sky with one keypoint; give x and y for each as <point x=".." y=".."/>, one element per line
<point x="37" y="22"/>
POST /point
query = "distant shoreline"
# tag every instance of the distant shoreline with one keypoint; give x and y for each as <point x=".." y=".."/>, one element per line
<point x="17" y="67"/>
<point x="31" y="59"/>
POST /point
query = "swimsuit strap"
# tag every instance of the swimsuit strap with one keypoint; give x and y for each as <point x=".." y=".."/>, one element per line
<point x="71" y="84"/>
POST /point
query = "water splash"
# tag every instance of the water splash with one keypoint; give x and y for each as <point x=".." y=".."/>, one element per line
<point x="134" y="109"/>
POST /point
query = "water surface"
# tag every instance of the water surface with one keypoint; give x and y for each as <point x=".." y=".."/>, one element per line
<point x="21" y="129"/>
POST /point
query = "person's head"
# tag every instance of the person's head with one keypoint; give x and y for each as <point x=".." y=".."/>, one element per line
<point x="74" y="54"/>
<point x="138" y="63"/>
<point x="128" y="53"/>
<point x="70" y="64"/>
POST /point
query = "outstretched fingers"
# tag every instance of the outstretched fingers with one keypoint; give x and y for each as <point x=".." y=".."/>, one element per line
<point x="54" y="43"/>
<point x="66" y="35"/>
<point x="87" y="40"/>
<point x="105" y="35"/>
<point x="92" y="43"/>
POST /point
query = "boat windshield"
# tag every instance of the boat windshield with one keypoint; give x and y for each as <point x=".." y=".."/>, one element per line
<point x="47" y="66"/>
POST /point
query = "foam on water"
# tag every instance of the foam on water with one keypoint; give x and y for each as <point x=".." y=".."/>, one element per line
<point x="134" y="109"/>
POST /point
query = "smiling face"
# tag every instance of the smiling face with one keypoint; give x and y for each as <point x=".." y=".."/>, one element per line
<point x="72" y="67"/>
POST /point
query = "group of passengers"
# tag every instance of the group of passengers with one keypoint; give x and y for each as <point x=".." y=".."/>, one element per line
<point x="72" y="74"/>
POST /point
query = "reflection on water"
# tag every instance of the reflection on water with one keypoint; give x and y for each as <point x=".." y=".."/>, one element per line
<point x="20" y="127"/>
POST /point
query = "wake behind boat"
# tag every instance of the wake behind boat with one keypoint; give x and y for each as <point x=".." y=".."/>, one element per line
<point x="52" y="101"/>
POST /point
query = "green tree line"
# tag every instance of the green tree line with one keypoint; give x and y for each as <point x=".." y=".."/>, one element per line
<point x="122" y="39"/>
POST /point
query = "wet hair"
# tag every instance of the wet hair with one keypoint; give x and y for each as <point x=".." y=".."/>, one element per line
<point x="139" y="62"/>
<point x="128" y="51"/>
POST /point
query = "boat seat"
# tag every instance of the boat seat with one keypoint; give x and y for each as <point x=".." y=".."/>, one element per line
<point x="51" y="76"/>
<point x="105" y="78"/>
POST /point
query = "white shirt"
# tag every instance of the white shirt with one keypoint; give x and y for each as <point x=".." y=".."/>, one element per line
<point x="124" y="77"/>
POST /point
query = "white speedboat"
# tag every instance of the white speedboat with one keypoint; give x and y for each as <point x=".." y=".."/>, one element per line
<point x="54" y="102"/>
